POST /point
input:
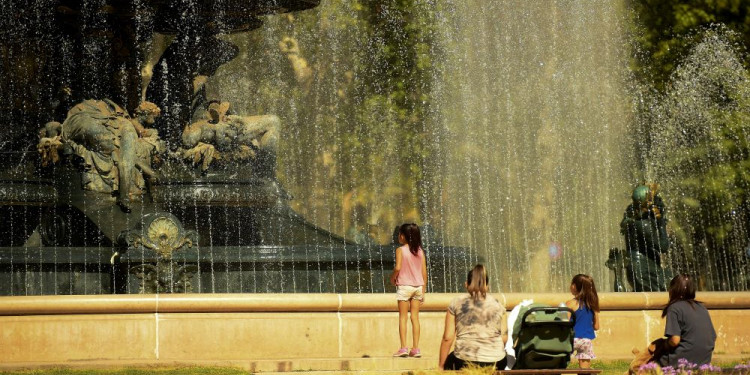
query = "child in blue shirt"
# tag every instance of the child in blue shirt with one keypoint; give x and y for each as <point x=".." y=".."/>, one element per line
<point x="585" y="303"/>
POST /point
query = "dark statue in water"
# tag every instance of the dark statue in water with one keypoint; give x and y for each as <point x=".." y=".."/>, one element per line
<point x="218" y="135"/>
<point x="644" y="226"/>
<point x="116" y="153"/>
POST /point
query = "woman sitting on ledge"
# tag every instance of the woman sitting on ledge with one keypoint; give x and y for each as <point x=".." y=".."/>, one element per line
<point x="689" y="330"/>
<point x="476" y="323"/>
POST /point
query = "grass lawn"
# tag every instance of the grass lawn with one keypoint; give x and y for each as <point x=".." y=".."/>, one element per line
<point x="135" y="371"/>
<point x="609" y="367"/>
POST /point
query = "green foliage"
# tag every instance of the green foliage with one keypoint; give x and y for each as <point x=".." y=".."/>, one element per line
<point x="667" y="26"/>
<point x="701" y="150"/>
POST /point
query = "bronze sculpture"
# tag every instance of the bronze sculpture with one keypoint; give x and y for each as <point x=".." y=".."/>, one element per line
<point x="228" y="137"/>
<point x="115" y="149"/>
<point x="644" y="226"/>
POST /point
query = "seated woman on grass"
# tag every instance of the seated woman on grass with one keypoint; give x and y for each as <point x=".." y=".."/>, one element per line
<point x="475" y="321"/>
<point x="689" y="332"/>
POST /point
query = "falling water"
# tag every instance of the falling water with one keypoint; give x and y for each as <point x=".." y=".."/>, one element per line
<point x="527" y="135"/>
<point x="535" y="130"/>
<point x="699" y="151"/>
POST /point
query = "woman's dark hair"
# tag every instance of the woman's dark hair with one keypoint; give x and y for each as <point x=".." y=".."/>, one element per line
<point x="681" y="288"/>
<point x="413" y="238"/>
<point x="477" y="282"/>
<point x="586" y="291"/>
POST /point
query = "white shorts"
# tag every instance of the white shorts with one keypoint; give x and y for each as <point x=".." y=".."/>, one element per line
<point x="407" y="292"/>
<point x="584" y="348"/>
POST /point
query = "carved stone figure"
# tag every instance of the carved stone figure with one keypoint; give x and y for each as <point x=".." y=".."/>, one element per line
<point x="176" y="83"/>
<point x="50" y="141"/>
<point x="117" y="151"/>
<point x="222" y="136"/>
<point x="302" y="71"/>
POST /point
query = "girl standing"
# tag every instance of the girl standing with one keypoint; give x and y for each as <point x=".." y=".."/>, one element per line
<point x="409" y="276"/>
<point x="585" y="303"/>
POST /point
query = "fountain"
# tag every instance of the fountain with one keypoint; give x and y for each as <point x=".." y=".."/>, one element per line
<point x="273" y="145"/>
<point x="698" y="146"/>
<point x="169" y="168"/>
<point x="110" y="204"/>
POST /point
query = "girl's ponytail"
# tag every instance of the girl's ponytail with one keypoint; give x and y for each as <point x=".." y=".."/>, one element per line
<point x="477" y="282"/>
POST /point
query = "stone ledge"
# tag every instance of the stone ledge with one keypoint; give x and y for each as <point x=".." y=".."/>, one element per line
<point x="298" y="331"/>
<point x="326" y="302"/>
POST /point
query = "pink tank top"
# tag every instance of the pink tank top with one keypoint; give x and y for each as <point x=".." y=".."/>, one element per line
<point x="411" y="268"/>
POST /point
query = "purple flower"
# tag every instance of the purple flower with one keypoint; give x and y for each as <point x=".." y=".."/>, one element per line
<point x="709" y="368"/>
<point x="669" y="370"/>
<point x="684" y="364"/>
<point x="648" y="366"/>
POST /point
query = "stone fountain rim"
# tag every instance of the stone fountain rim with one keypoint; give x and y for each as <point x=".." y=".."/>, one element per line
<point x="319" y="302"/>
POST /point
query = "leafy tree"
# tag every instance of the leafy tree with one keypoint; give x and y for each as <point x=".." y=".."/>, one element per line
<point x="701" y="151"/>
<point x="693" y="109"/>
<point x="666" y="27"/>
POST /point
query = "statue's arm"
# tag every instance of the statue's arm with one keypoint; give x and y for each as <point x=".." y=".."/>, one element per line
<point x="661" y="225"/>
<point x="198" y="132"/>
<point x="140" y="129"/>
<point x="627" y="219"/>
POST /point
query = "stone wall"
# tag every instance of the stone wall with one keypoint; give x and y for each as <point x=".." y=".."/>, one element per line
<point x="119" y="330"/>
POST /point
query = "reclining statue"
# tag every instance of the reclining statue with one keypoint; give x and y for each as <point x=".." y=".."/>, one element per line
<point x="217" y="135"/>
<point x="116" y="150"/>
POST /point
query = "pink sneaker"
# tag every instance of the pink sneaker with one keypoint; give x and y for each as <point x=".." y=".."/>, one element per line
<point x="403" y="352"/>
<point x="415" y="353"/>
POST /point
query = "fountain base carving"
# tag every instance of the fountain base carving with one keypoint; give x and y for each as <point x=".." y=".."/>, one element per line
<point x="247" y="240"/>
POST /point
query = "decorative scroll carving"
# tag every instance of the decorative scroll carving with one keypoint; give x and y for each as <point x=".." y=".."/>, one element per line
<point x="164" y="277"/>
<point x="163" y="234"/>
